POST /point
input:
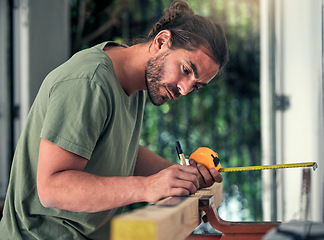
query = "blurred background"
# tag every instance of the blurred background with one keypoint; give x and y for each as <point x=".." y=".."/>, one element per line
<point x="266" y="107"/>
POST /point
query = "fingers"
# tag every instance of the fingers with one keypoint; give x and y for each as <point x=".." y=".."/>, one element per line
<point x="202" y="170"/>
<point x="188" y="187"/>
<point x="207" y="177"/>
<point x="186" y="175"/>
<point x="183" y="177"/>
<point x="176" y="180"/>
<point x="216" y="175"/>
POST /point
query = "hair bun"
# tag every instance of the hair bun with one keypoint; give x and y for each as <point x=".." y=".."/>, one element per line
<point x="176" y="10"/>
<point x="180" y="7"/>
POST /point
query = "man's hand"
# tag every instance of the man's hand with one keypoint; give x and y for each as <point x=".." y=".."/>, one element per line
<point x="206" y="178"/>
<point x="176" y="180"/>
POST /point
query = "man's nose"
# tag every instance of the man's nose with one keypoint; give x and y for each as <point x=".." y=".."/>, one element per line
<point x="185" y="86"/>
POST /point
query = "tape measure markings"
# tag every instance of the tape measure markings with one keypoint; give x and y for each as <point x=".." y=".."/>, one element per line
<point x="263" y="167"/>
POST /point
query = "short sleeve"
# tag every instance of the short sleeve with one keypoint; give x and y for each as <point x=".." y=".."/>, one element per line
<point x="76" y="114"/>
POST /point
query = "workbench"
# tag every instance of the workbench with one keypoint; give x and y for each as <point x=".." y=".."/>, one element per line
<point x="175" y="218"/>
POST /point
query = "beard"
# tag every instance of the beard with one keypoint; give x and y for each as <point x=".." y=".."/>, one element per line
<point x="154" y="75"/>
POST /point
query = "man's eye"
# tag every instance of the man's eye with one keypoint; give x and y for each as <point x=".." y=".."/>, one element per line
<point x="186" y="70"/>
<point x="196" y="87"/>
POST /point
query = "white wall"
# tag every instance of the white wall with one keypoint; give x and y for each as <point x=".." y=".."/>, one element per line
<point x="294" y="34"/>
<point x="41" y="43"/>
<point x="4" y="97"/>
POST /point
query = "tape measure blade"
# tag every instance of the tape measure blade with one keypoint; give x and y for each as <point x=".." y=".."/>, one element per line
<point x="240" y="169"/>
<point x="264" y="167"/>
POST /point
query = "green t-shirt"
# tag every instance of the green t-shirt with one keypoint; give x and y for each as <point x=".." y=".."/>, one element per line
<point x="82" y="108"/>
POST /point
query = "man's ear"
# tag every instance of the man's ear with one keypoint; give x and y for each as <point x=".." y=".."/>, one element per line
<point x="161" y="41"/>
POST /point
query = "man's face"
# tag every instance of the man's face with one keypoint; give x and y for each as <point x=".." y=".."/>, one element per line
<point x="174" y="73"/>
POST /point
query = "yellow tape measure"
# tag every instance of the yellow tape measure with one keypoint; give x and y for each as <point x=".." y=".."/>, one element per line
<point x="210" y="159"/>
<point x="263" y="167"/>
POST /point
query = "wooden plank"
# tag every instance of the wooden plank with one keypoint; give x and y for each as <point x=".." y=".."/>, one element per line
<point x="158" y="222"/>
<point x="216" y="190"/>
<point x="170" y="219"/>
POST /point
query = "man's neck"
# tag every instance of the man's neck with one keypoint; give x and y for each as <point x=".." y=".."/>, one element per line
<point x="129" y="65"/>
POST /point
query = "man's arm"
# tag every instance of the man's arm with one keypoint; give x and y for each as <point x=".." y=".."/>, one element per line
<point x="149" y="163"/>
<point x="62" y="184"/>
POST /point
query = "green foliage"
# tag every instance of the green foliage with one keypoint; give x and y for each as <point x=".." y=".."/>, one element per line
<point x="224" y="116"/>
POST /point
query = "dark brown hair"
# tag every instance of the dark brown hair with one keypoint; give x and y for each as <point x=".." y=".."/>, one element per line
<point x="191" y="31"/>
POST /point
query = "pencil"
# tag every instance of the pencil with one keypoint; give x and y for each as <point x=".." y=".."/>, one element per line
<point x="180" y="154"/>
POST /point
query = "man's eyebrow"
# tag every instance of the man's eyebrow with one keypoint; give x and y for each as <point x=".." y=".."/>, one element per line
<point x="194" y="68"/>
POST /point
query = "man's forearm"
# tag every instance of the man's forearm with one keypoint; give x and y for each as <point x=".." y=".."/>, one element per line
<point x="78" y="191"/>
<point x="149" y="163"/>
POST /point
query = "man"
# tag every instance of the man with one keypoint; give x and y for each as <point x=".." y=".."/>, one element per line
<point x="78" y="161"/>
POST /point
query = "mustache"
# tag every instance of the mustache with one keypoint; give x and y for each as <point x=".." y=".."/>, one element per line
<point x="174" y="90"/>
